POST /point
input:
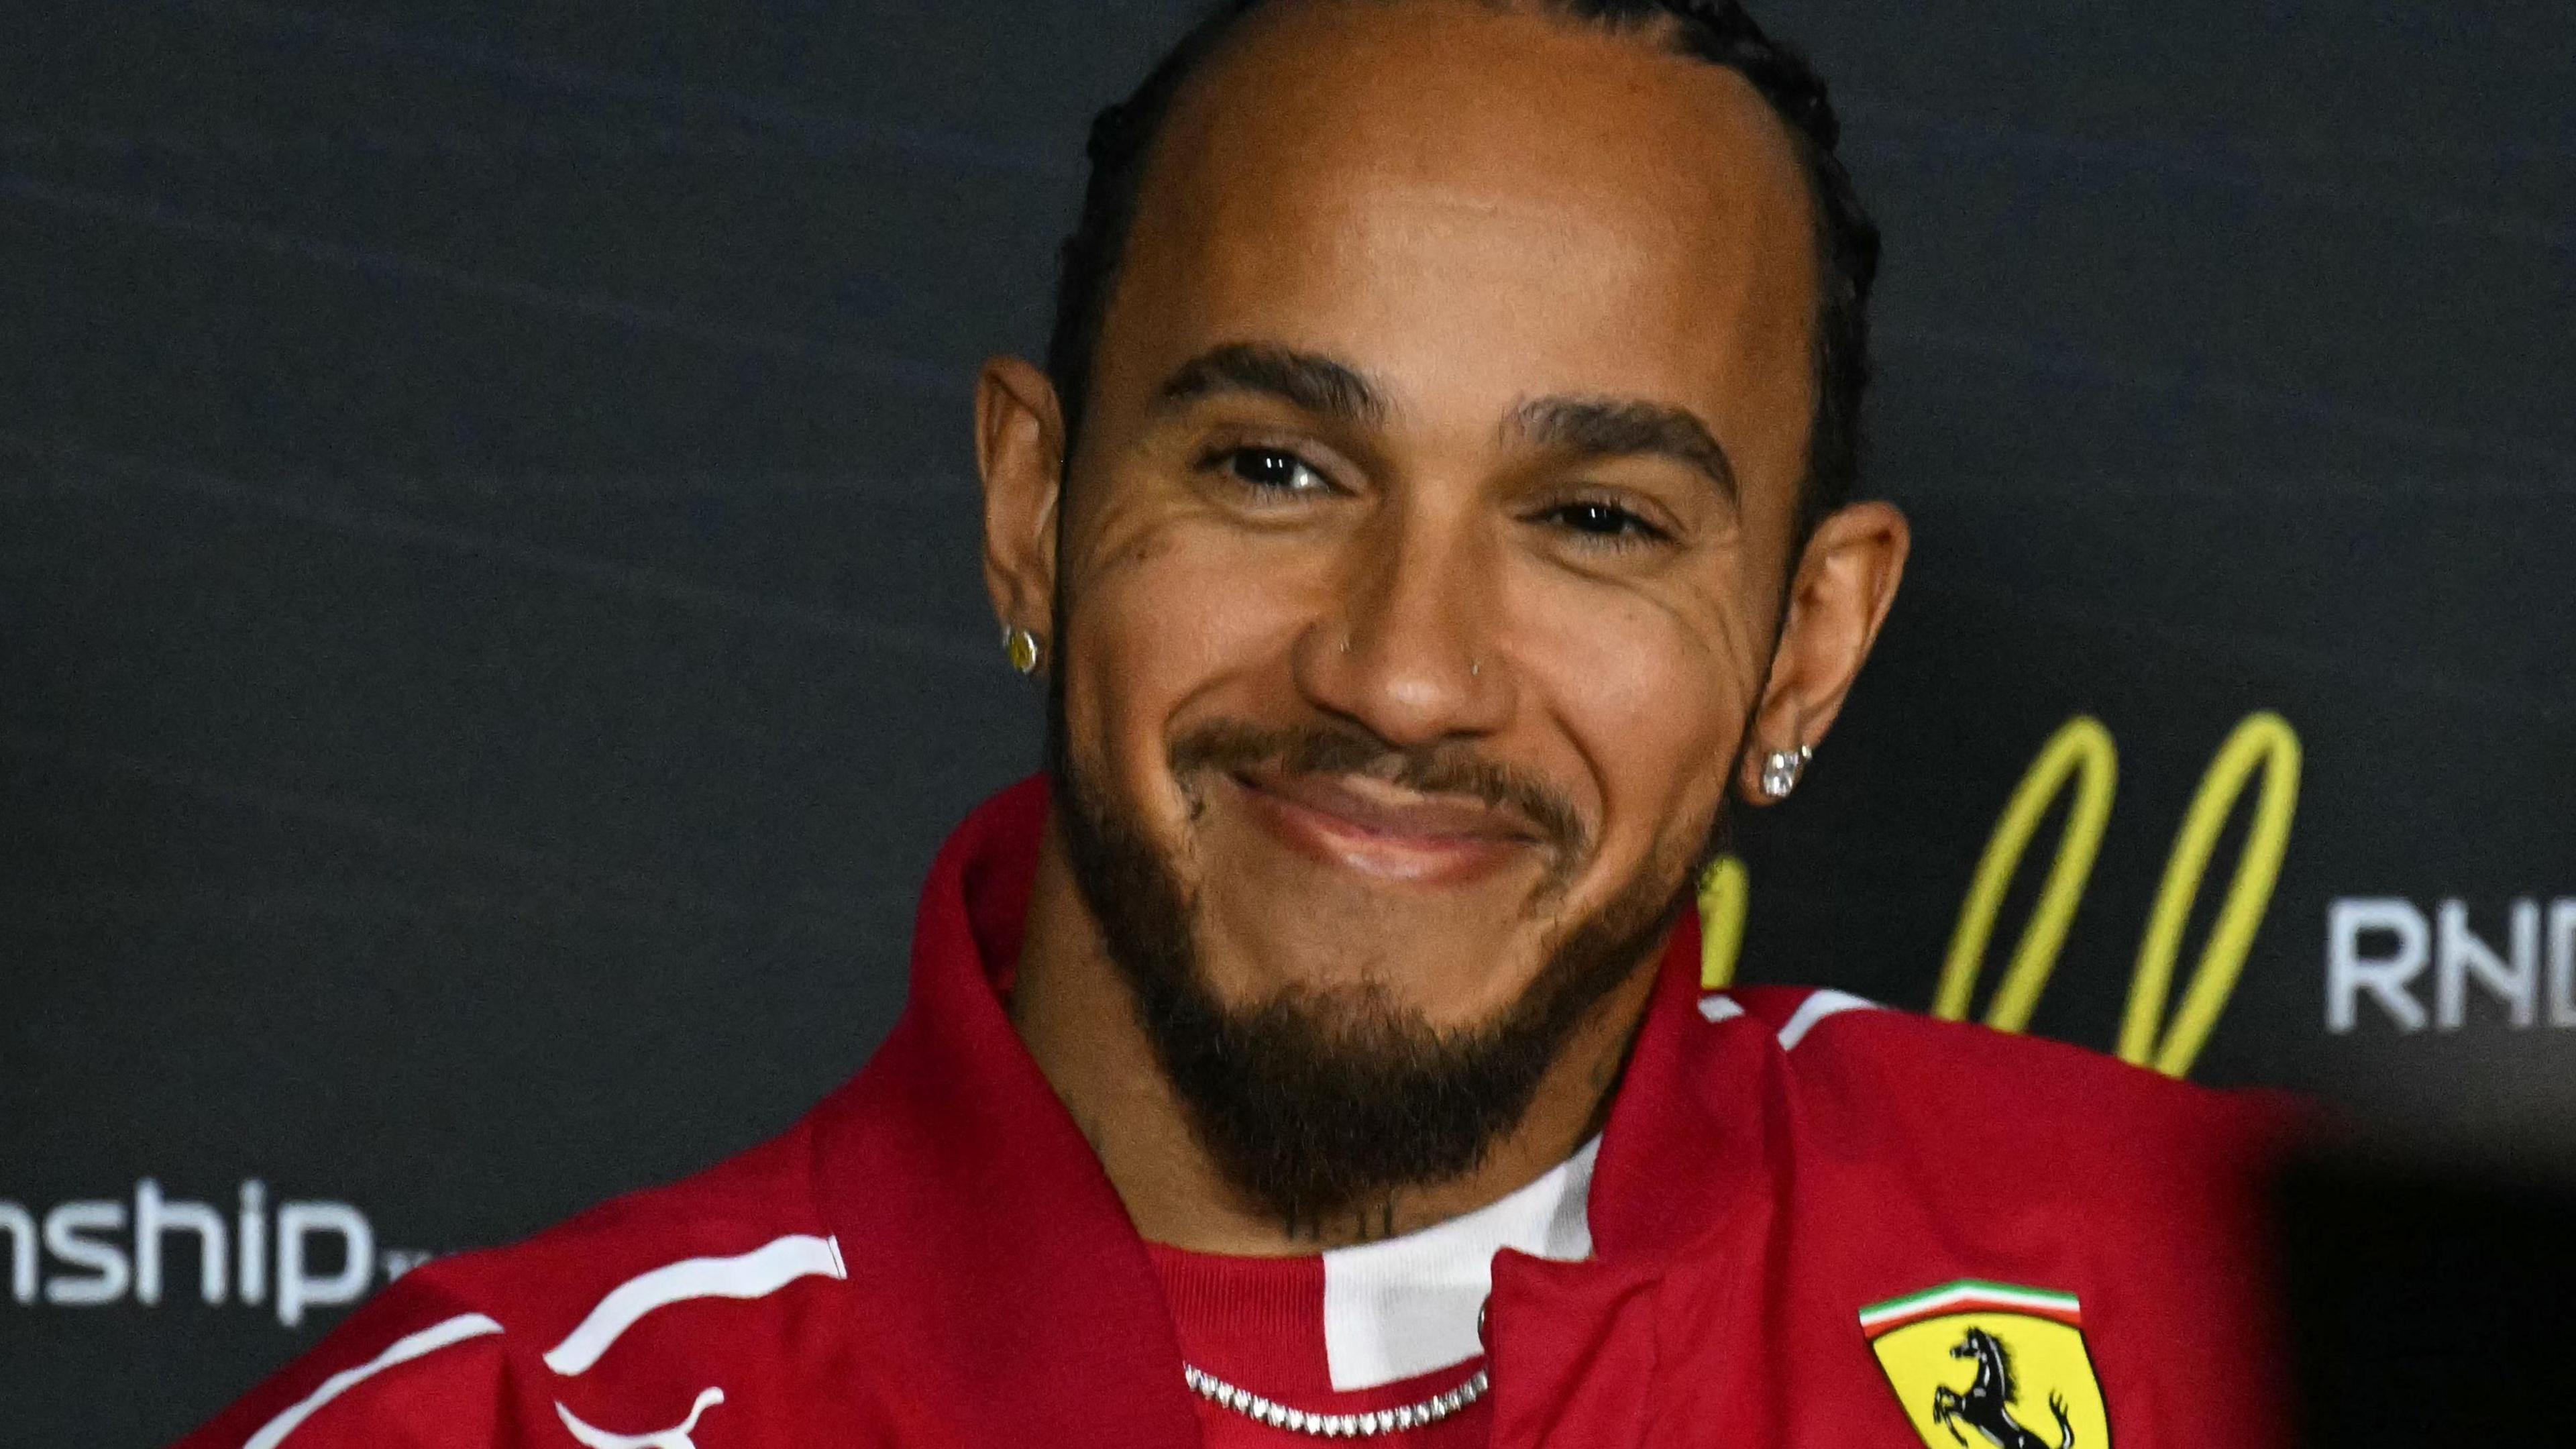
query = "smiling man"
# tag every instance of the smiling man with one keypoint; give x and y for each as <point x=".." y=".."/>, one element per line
<point x="1434" y="511"/>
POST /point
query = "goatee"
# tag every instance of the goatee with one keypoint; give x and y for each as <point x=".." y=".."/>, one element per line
<point x="1317" y="1105"/>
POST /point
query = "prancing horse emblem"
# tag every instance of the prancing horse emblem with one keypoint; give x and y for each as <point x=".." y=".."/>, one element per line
<point x="1987" y="1405"/>
<point x="2027" y="1346"/>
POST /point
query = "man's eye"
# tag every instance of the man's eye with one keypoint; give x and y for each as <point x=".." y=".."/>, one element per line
<point x="1605" y="521"/>
<point x="1275" y="471"/>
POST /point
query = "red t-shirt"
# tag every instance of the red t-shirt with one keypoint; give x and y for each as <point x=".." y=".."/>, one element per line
<point x="1813" y="1225"/>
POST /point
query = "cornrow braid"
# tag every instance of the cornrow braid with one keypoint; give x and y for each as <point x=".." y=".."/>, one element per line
<point x="1716" y="31"/>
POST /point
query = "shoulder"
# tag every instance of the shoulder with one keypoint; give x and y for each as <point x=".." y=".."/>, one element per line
<point x="714" y="1269"/>
<point x="725" y="1231"/>
<point x="1919" y="1162"/>
<point x="1862" y="1071"/>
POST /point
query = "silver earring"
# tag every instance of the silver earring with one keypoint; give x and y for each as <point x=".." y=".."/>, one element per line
<point x="1024" y="649"/>
<point x="1781" y="770"/>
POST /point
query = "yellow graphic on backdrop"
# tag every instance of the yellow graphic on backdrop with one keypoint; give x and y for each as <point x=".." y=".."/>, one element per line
<point x="2082" y="752"/>
<point x="2081" y="749"/>
<point x="1722" y="897"/>
<point x="1991" y="1364"/>
<point x="2265" y="742"/>
<point x="2262" y="741"/>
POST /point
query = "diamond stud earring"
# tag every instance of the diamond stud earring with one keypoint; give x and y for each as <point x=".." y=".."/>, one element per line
<point x="1781" y="770"/>
<point x="1023" y="648"/>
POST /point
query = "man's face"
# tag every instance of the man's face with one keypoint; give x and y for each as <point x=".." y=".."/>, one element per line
<point x="1417" y="582"/>
<point x="1422" y="556"/>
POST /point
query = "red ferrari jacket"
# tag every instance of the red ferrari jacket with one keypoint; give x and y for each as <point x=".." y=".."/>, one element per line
<point x="1814" y="1223"/>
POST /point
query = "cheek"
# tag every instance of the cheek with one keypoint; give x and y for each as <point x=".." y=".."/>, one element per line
<point x="1651" y="694"/>
<point x="1175" y="621"/>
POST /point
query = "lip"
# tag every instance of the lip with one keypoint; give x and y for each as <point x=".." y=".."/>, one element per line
<point x="1385" y="833"/>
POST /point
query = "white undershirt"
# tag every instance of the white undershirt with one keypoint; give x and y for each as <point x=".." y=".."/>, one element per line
<point x="1408" y="1306"/>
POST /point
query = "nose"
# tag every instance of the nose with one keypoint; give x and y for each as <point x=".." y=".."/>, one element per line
<point x="1414" y="652"/>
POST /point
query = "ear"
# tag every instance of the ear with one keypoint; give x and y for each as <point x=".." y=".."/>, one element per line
<point x="1845" y="582"/>
<point x="1019" y="451"/>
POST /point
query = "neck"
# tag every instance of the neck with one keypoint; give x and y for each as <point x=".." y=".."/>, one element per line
<point x="1074" y="1010"/>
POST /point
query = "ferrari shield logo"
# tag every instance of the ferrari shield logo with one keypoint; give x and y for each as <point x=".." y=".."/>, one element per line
<point x="1990" y="1364"/>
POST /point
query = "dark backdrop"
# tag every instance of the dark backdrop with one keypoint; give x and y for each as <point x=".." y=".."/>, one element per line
<point x="490" y="633"/>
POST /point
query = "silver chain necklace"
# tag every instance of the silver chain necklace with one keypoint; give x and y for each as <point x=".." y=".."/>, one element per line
<point x="1333" y="1426"/>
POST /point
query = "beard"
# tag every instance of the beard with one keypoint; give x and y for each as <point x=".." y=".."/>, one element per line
<point x="1316" y="1105"/>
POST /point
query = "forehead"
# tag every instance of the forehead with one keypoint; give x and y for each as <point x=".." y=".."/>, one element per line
<point x="1478" y="205"/>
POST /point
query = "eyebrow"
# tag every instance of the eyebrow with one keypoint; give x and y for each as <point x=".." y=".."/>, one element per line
<point x="1624" y="427"/>
<point x="1307" y="380"/>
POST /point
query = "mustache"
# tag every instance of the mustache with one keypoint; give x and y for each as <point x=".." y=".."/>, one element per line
<point x="1440" y="769"/>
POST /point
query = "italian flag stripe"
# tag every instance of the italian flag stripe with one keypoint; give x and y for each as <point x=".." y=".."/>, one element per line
<point x="1968" y="1294"/>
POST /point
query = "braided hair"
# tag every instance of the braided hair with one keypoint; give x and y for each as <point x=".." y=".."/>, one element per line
<point x="1716" y="31"/>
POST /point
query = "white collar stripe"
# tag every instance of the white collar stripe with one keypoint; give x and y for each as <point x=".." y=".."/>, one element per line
<point x="1718" y="1006"/>
<point x="1818" y="1006"/>
<point x="1408" y="1306"/>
